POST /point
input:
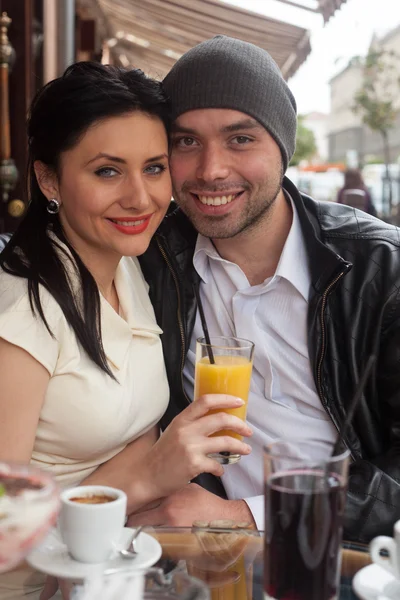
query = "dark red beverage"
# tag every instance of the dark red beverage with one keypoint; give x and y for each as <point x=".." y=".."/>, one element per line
<point x="303" y="533"/>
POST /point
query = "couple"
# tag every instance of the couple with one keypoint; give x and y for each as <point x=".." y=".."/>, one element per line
<point x="84" y="376"/>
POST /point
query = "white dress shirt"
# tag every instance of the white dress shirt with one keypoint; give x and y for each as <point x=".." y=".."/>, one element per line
<point x="283" y="400"/>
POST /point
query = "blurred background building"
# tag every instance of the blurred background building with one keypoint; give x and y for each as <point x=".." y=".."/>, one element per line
<point x="346" y="130"/>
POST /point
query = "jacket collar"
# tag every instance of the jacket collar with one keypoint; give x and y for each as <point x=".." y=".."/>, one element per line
<point x="324" y="263"/>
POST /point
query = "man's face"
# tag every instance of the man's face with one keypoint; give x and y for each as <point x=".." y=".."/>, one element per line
<point x="226" y="171"/>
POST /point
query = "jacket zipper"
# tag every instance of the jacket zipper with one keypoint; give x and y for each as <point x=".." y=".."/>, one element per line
<point x="319" y="368"/>
<point x="180" y="323"/>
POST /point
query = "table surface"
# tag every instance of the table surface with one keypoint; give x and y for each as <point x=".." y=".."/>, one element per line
<point x="230" y="561"/>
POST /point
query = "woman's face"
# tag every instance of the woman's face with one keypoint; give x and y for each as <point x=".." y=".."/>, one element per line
<point x="114" y="186"/>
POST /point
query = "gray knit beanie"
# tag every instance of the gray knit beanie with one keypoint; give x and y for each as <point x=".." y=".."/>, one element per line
<point x="224" y="72"/>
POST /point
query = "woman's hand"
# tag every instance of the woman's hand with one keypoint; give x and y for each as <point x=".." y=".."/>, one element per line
<point x="181" y="453"/>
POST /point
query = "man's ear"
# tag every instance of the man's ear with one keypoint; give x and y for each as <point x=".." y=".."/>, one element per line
<point x="47" y="180"/>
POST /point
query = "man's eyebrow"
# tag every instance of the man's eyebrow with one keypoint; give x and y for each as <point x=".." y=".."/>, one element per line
<point x="240" y="125"/>
<point x="180" y="129"/>
<point x="237" y="126"/>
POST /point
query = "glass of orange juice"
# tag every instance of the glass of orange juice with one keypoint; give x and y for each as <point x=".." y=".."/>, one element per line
<point x="230" y="373"/>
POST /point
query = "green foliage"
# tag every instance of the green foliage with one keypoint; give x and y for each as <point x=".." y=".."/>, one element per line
<point x="306" y="146"/>
<point x="374" y="101"/>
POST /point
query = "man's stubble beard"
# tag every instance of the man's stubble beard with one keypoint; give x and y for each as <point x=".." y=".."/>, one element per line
<point x="256" y="211"/>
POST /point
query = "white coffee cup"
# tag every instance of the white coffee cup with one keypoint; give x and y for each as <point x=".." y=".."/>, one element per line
<point x="92" y="531"/>
<point x="392" y="546"/>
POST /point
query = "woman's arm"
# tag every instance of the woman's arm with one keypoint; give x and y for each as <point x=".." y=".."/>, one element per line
<point x="23" y="387"/>
<point x="123" y="471"/>
<point x="149" y="469"/>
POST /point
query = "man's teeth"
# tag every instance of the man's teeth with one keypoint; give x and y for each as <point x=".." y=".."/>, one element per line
<point x="216" y="200"/>
<point x="129" y="223"/>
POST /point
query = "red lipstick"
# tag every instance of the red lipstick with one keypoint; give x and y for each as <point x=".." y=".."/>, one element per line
<point x="131" y="225"/>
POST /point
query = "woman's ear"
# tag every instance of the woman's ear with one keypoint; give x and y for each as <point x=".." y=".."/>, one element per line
<point x="47" y="180"/>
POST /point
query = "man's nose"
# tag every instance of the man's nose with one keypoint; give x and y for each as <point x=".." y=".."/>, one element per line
<point x="213" y="164"/>
<point x="135" y="195"/>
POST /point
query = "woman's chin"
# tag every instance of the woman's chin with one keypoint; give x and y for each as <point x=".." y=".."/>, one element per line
<point x="133" y="247"/>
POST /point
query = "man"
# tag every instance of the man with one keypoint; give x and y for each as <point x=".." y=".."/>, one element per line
<point x="314" y="285"/>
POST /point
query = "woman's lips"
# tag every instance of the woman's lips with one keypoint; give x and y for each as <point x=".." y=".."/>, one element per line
<point x="131" y="225"/>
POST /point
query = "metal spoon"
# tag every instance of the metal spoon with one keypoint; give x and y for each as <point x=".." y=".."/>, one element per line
<point x="130" y="552"/>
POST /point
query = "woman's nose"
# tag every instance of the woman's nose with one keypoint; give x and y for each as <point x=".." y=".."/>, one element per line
<point x="136" y="196"/>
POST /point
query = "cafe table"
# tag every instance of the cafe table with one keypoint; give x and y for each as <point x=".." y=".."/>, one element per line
<point x="230" y="561"/>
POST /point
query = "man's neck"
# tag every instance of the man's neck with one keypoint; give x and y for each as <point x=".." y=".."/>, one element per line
<point x="257" y="251"/>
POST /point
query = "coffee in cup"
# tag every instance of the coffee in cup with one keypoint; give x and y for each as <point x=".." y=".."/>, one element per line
<point x="93" y="499"/>
<point x="91" y="521"/>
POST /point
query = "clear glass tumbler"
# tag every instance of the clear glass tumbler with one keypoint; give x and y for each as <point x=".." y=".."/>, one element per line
<point x="230" y="373"/>
<point x="305" y="496"/>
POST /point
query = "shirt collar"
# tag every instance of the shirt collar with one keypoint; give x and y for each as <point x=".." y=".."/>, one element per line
<point x="117" y="332"/>
<point x="293" y="263"/>
<point x="204" y="250"/>
<point x="292" y="266"/>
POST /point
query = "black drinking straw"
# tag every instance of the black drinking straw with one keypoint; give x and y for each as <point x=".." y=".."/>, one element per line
<point x="354" y="403"/>
<point x="204" y="324"/>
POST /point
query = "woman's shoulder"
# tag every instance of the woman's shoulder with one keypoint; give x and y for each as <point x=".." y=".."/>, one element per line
<point x="13" y="290"/>
<point x="14" y="296"/>
<point x="23" y="327"/>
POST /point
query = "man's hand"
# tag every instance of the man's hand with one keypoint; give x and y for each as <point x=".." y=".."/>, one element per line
<point x="189" y="504"/>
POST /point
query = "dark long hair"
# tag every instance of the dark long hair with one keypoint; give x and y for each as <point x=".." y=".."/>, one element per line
<point x="353" y="180"/>
<point x="60" y="114"/>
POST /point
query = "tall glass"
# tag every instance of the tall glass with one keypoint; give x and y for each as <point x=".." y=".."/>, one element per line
<point x="224" y="560"/>
<point x="305" y="496"/>
<point x="230" y="374"/>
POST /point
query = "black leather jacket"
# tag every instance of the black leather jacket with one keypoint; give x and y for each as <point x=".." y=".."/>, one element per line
<point x="354" y="310"/>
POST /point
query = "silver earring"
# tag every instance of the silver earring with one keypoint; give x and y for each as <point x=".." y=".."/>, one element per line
<point x="53" y="206"/>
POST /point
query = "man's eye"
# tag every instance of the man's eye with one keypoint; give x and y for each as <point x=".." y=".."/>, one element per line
<point x="185" y="142"/>
<point x="106" y="172"/>
<point x="241" y="139"/>
<point x="155" y="169"/>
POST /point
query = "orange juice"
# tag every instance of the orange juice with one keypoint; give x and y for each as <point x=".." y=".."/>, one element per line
<point x="222" y="587"/>
<point x="229" y="375"/>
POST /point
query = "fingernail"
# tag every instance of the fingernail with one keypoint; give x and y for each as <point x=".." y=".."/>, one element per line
<point x="239" y="402"/>
<point x="248" y="447"/>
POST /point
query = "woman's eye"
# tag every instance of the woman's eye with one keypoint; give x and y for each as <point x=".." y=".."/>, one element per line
<point x="106" y="172"/>
<point x="155" y="169"/>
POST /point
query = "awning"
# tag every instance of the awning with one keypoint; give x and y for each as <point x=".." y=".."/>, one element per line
<point x="153" y="34"/>
<point x="327" y="8"/>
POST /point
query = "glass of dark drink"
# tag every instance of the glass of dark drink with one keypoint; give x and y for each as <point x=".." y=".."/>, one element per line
<point x="305" y="496"/>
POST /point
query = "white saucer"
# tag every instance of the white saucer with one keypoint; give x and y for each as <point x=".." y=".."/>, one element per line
<point x="52" y="557"/>
<point x="375" y="583"/>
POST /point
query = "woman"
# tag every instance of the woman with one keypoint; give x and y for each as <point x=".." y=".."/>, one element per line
<point x="82" y="377"/>
<point x="355" y="193"/>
